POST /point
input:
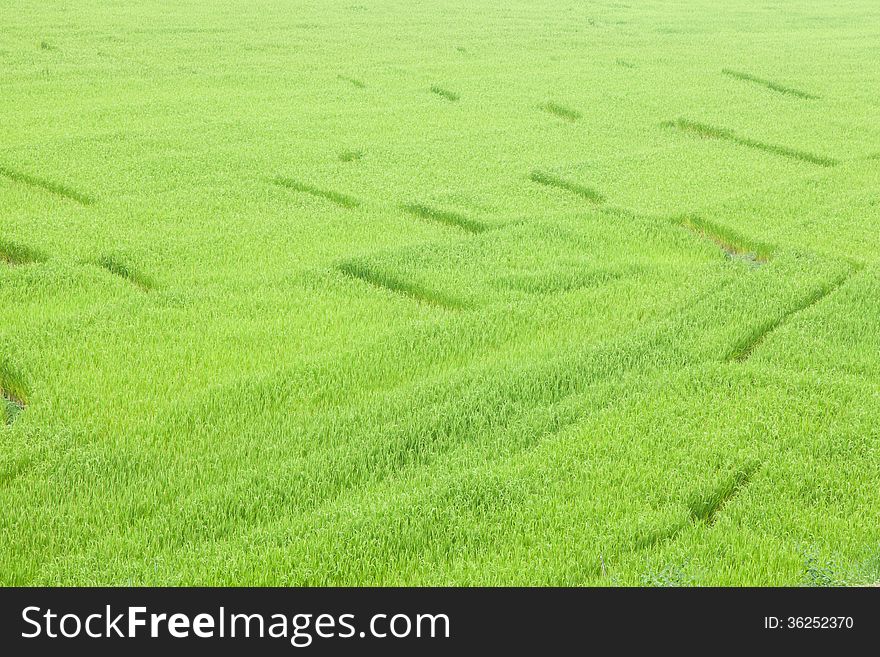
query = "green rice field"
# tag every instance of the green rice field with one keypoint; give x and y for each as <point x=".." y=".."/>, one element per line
<point x="376" y="292"/>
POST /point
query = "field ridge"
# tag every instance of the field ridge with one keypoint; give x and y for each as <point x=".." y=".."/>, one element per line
<point x="704" y="508"/>
<point x="355" y="82"/>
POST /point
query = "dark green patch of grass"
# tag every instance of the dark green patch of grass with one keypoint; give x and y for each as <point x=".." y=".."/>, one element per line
<point x="117" y="265"/>
<point x="624" y="63"/>
<point x="705" y="507"/>
<point x="352" y="81"/>
<point x="47" y="185"/>
<point x="17" y="254"/>
<point x="369" y="274"/>
<point x="714" y="132"/>
<point x="350" y="156"/>
<point x="769" y="84"/>
<point x="445" y="217"/>
<point x="342" y="200"/>
<point x="13" y="394"/>
<point x="548" y="179"/>
<point x="445" y="93"/>
<point x="561" y="111"/>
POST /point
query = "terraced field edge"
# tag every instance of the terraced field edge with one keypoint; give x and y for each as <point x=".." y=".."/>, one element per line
<point x="705" y="507"/>
<point x="355" y="82"/>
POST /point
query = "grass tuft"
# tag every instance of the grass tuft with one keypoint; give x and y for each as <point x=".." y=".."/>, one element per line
<point x="549" y="180"/>
<point x="445" y="217"/>
<point x="351" y="156"/>
<point x="769" y="84"/>
<point x="715" y="132"/>
<point x="342" y="200"/>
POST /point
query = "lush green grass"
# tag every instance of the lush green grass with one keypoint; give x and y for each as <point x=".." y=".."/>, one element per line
<point x="439" y="293"/>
